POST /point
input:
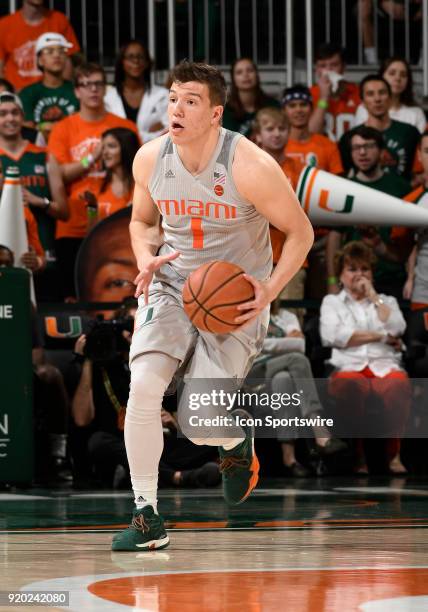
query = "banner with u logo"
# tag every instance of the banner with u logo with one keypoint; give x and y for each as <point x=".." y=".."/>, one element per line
<point x="328" y="199"/>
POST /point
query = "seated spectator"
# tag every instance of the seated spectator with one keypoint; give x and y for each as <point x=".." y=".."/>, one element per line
<point x="400" y="138"/>
<point x="119" y="147"/>
<point x="309" y="149"/>
<point x="133" y="95"/>
<point x="335" y="99"/>
<point x="285" y="337"/>
<point x="367" y="146"/>
<point x="416" y="286"/>
<point x="19" y="32"/>
<point x="364" y="330"/>
<point x="75" y="143"/>
<point x="28" y="133"/>
<point x="397" y="72"/>
<point x="246" y="97"/>
<point x="42" y="185"/>
<point x="52" y="98"/>
<point x="99" y="402"/>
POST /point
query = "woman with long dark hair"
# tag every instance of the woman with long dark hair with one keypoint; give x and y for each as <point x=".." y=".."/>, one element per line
<point x="133" y="95"/>
<point x="397" y="72"/>
<point x="246" y="97"/>
<point x="119" y="146"/>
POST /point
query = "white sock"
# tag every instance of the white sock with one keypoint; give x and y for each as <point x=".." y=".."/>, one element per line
<point x="232" y="443"/>
<point x="151" y="374"/>
<point x="370" y="55"/>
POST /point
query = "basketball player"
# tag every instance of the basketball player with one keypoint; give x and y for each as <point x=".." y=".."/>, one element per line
<point x="216" y="193"/>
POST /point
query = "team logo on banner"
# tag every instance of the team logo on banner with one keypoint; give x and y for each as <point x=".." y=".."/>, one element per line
<point x="74" y="327"/>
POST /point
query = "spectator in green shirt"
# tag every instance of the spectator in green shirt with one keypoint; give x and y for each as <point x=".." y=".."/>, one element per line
<point x="52" y="98"/>
<point x="401" y="139"/>
<point x="246" y="97"/>
<point x="366" y="147"/>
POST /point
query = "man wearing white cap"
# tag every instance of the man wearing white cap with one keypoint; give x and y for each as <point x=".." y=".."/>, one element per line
<point x="52" y="98"/>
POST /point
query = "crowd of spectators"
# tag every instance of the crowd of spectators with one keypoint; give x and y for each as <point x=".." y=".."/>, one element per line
<point x="74" y="138"/>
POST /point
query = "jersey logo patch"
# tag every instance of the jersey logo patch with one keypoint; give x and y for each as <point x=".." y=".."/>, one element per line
<point x="170" y="174"/>
<point x="218" y="190"/>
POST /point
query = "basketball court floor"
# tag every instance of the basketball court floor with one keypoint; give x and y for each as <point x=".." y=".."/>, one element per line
<point x="297" y="545"/>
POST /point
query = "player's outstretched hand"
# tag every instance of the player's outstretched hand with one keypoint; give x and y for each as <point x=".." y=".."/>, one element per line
<point x="262" y="298"/>
<point x="144" y="277"/>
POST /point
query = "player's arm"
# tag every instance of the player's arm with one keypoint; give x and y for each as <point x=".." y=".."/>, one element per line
<point x="144" y="226"/>
<point x="260" y="180"/>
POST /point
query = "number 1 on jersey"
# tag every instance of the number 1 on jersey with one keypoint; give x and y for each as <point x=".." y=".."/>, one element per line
<point x="197" y="232"/>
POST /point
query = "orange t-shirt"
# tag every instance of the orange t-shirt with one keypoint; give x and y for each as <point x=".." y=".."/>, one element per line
<point x="109" y="202"/>
<point x="33" y="232"/>
<point x="340" y="112"/>
<point x="18" y="43"/>
<point x="292" y="169"/>
<point x="72" y="139"/>
<point x="407" y="233"/>
<point x="317" y="151"/>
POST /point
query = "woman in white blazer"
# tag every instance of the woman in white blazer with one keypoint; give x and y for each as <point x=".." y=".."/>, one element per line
<point x="133" y="96"/>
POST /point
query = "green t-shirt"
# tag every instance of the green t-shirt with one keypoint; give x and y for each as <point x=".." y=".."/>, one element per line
<point x="244" y="124"/>
<point x="49" y="104"/>
<point x="401" y="140"/>
<point x="395" y="186"/>
<point x="34" y="177"/>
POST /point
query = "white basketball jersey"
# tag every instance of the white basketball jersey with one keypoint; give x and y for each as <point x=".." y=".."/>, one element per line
<point x="204" y="217"/>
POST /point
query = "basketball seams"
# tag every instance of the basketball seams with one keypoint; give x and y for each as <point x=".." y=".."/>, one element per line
<point x="201" y="284"/>
<point x="202" y="312"/>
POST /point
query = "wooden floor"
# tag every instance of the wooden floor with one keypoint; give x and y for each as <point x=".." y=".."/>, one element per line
<point x="310" y="545"/>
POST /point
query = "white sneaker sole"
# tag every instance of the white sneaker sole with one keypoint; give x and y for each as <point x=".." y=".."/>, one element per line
<point x="154" y="544"/>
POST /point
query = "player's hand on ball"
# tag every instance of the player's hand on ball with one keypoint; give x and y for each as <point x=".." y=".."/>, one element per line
<point x="262" y="298"/>
<point x="144" y="277"/>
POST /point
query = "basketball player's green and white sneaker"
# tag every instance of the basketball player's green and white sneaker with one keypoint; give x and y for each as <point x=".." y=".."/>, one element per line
<point x="239" y="466"/>
<point x="146" y="532"/>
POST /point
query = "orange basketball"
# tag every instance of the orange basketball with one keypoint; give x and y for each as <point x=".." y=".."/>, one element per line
<point x="211" y="294"/>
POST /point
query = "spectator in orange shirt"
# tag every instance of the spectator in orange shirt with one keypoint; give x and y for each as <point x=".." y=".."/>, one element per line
<point x="18" y="36"/>
<point x="335" y="99"/>
<point x="270" y="131"/>
<point x="309" y="149"/>
<point x="119" y="147"/>
<point x="75" y="142"/>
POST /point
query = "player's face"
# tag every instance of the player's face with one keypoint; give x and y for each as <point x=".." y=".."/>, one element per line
<point x="365" y="153"/>
<point x="134" y="61"/>
<point x="190" y="112"/>
<point x="272" y="135"/>
<point x="52" y="59"/>
<point x="423" y="154"/>
<point x="376" y="99"/>
<point x="111" y="152"/>
<point x="11" y="120"/>
<point x="330" y="64"/>
<point x="90" y="91"/>
<point x="298" y="113"/>
<point x="244" y="75"/>
<point x="397" y="76"/>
